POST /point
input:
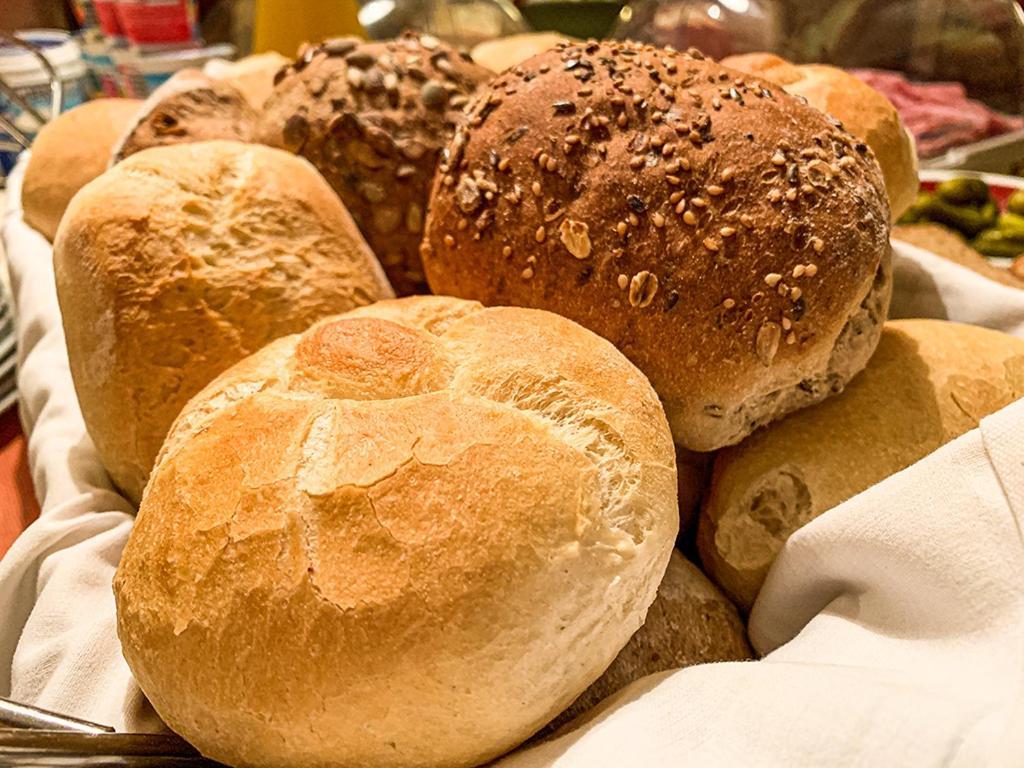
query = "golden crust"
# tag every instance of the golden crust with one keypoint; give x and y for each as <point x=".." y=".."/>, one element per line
<point x="424" y="575"/>
<point x="929" y="382"/>
<point x="373" y="117"/>
<point x="69" y="152"/>
<point x="182" y="260"/>
<point x="724" y="236"/>
<point x="864" y="112"/>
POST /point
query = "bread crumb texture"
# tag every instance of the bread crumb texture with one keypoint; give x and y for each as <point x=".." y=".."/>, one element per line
<point x="410" y="535"/>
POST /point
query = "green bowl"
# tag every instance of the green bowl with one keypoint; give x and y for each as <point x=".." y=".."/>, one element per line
<point x="578" y="18"/>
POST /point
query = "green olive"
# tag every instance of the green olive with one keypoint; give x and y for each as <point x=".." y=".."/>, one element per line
<point x="964" y="191"/>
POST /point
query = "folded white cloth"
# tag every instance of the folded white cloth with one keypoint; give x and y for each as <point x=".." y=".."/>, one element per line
<point x="892" y="624"/>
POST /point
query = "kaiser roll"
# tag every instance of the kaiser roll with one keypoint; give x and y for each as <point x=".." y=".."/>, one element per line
<point x="69" y="152"/>
<point x="690" y="622"/>
<point x="409" y="536"/>
<point x="929" y="382"/>
<point x="504" y="52"/>
<point x="729" y="239"/>
<point x="373" y="117"/>
<point x="864" y="112"/>
<point x="187" y="108"/>
<point x="181" y="261"/>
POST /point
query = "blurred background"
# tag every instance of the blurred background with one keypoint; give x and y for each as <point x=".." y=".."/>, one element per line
<point x="953" y="68"/>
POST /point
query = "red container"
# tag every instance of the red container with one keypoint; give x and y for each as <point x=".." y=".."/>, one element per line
<point x="109" y="21"/>
<point x="158" y="22"/>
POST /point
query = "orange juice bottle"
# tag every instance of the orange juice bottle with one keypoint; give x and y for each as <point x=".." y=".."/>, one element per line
<point x="283" y="25"/>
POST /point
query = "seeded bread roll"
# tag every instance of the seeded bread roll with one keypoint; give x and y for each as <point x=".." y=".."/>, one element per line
<point x="929" y="382"/>
<point x="864" y="112"/>
<point x="690" y="622"/>
<point x="187" y="108"/>
<point x="69" y="152"/>
<point x="180" y="261"/>
<point x="409" y="536"/>
<point x="729" y="239"/>
<point x="373" y="117"/>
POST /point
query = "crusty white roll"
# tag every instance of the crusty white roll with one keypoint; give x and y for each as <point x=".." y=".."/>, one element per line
<point x="69" y="152"/>
<point x="182" y="260"/>
<point x="409" y="536"/>
<point x="865" y="113"/>
<point x="929" y="382"/>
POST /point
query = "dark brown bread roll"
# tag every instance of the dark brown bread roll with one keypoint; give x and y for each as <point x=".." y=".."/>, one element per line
<point x="373" y="117"/>
<point x="729" y="239"/>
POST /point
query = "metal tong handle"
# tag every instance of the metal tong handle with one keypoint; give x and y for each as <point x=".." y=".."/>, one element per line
<point x="16" y="715"/>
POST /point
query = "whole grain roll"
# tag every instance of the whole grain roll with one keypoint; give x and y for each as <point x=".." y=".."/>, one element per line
<point x="690" y="622"/>
<point x="69" y="152"/>
<point x="373" y="117"/>
<point x="409" y="536"/>
<point x="182" y="260"/>
<point x="187" y="108"/>
<point x="729" y="239"/>
<point x="864" y="112"/>
<point x="929" y="382"/>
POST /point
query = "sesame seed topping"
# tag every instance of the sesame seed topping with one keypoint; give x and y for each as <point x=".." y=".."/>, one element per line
<point x="812" y="270"/>
<point x="675" y="181"/>
<point x="772" y="279"/>
<point x="711" y="244"/>
<point x="680" y="206"/>
<point x="727" y="231"/>
<point x="684" y="163"/>
<point x="449" y="240"/>
<point x="527" y="273"/>
<point x="818" y="245"/>
<point x="791" y="338"/>
<point x="807" y="189"/>
<point x="675" y="197"/>
<point x="658" y="219"/>
<point x="799" y="270"/>
<point x="551" y="164"/>
<point x="795" y="293"/>
<point x="540" y="234"/>
<point x="699" y="202"/>
<point x="714" y="190"/>
<point x="728" y="173"/>
<point x="506" y="251"/>
<point x="633" y="219"/>
<point x="791" y="195"/>
<point x="729" y="303"/>
<point x="621" y="228"/>
<point x="786" y="323"/>
<point x="778" y="158"/>
<point x="636" y="162"/>
<point x="572" y="138"/>
<point x="690" y="218"/>
<point x="535" y="188"/>
<point x="623" y="282"/>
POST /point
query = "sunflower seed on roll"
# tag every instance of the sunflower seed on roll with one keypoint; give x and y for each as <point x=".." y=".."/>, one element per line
<point x="411" y="535"/>
<point x="729" y="239"/>
<point x="373" y="118"/>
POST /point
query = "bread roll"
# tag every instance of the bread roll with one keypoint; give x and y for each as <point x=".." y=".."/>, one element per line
<point x="864" y="112"/>
<point x="69" y="152"/>
<point x="929" y="382"/>
<point x="187" y="108"/>
<point x="729" y="239"/>
<point x="505" y="52"/>
<point x="181" y="261"/>
<point x="253" y="75"/>
<point x="373" y="117"/>
<point x="690" y="622"/>
<point x="410" y="536"/>
<point x="945" y="242"/>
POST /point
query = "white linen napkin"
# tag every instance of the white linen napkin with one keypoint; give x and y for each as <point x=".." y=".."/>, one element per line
<point x="892" y="624"/>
